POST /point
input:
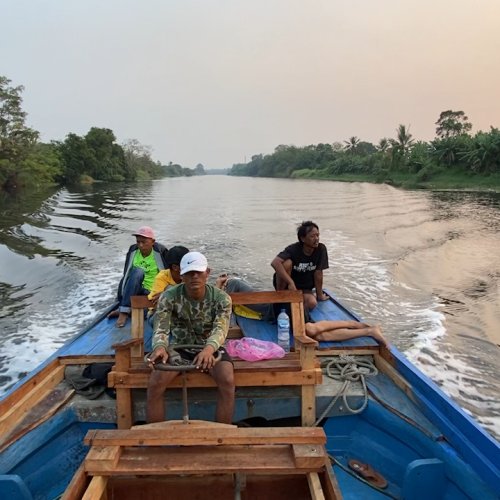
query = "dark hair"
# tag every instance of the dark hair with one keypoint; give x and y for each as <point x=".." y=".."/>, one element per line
<point x="175" y="255"/>
<point x="305" y="228"/>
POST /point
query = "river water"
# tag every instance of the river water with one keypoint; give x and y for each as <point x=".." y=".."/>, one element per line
<point x="424" y="265"/>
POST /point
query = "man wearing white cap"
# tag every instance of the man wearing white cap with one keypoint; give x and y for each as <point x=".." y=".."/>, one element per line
<point x="193" y="312"/>
<point x="143" y="262"/>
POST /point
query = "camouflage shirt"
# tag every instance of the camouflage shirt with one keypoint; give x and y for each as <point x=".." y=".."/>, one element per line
<point x="189" y="321"/>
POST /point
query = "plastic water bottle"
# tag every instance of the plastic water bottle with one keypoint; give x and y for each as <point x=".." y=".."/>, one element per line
<point x="284" y="330"/>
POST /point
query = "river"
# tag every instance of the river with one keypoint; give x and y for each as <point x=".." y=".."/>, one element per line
<point x="424" y="265"/>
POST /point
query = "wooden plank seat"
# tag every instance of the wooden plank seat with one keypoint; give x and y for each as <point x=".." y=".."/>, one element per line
<point x="180" y="450"/>
<point x="298" y="368"/>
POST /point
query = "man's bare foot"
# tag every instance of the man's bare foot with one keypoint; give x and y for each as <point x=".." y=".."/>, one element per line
<point x="376" y="333"/>
<point x="122" y="319"/>
<point x="113" y="314"/>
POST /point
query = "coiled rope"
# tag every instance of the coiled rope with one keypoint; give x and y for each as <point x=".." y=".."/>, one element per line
<point x="348" y="369"/>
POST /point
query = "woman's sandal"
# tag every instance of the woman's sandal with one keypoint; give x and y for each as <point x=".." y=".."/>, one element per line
<point x="367" y="472"/>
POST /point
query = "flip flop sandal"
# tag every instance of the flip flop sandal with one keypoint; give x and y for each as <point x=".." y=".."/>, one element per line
<point x="121" y="324"/>
<point x="367" y="472"/>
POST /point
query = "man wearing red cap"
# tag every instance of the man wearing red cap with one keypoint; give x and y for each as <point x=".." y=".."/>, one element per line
<point x="143" y="262"/>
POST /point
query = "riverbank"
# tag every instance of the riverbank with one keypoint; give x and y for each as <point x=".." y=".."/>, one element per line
<point x="442" y="181"/>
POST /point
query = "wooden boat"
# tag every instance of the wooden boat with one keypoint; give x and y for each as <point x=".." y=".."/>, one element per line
<point x="384" y="431"/>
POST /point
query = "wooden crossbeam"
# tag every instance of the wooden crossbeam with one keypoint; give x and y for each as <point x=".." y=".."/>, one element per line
<point x="272" y="378"/>
<point x="184" y="435"/>
<point x="243" y="298"/>
<point x="263" y="459"/>
<point x="271" y="297"/>
<point x="291" y="361"/>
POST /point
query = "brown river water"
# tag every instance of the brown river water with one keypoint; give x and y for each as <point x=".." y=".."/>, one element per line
<point x="424" y="265"/>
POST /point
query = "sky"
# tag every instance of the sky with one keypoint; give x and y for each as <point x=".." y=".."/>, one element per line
<point x="217" y="81"/>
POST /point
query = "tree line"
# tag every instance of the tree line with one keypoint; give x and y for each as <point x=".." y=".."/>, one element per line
<point x="454" y="151"/>
<point x="96" y="156"/>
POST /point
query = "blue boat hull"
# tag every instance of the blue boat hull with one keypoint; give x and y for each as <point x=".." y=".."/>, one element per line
<point x="418" y="439"/>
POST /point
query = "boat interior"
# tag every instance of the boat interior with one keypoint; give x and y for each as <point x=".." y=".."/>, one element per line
<point x="302" y="429"/>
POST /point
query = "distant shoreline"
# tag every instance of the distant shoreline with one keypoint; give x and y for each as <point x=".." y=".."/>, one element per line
<point x="447" y="183"/>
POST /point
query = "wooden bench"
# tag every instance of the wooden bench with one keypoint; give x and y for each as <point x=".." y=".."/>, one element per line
<point x="182" y="458"/>
<point x="298" y="368"/>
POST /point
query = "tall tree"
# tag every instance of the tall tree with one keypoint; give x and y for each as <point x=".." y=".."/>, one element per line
<point x="199" y="169"/>
<point x="452" y="123"/>
<point x="76" y="156"/>
<point x="107" y="161"/>
<point x="16" y="139"/>
<point x="484" y="153"/>
<point x="139" y="163"/>
<point x="404" y="139"/>
<point x="383" y="145"/>
<point x="351" y="144"/>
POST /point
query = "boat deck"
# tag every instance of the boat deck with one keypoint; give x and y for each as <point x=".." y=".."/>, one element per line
<point x="394" y="432"/>
<point x="99" y="339"/>
<point x="95" y="344"/>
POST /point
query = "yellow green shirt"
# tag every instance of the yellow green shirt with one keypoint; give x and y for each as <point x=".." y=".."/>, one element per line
<point x="148" y="264"/>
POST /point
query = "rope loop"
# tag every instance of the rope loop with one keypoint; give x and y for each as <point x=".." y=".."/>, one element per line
<point x="348" y="369"/>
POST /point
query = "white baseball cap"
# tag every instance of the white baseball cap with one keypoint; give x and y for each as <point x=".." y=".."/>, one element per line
<point x="193" y="261"/>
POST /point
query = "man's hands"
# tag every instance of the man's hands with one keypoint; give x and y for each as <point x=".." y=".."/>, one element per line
<point x="321" y="296"/>
<point x="159" y="355"/>
<point x="154" y="298"/>
<point x="205" y="360"/>
<point x="221" y="281"/>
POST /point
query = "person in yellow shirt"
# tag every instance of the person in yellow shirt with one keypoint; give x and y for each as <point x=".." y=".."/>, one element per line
<point x="167" y="277"/>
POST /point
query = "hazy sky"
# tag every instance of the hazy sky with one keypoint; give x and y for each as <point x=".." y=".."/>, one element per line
<point x="215" y="82"/>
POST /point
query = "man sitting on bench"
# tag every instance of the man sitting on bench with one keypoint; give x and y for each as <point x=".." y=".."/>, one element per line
<point x="193" y="312"/>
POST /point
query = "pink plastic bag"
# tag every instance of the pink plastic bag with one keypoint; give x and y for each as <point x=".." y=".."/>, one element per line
<point x="251" y="349"/>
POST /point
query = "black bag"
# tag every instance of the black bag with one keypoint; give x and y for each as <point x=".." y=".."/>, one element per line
<point x="91" y="380"/>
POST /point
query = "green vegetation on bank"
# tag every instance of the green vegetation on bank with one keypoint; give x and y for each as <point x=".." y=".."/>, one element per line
<point x="453" y="160"/>
<point x="27" y="162"/>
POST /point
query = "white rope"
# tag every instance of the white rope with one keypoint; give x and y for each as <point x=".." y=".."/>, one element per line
<point x="348" y="369"/>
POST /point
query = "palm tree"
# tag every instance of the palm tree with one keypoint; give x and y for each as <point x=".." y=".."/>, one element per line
<point x="383" y="145"/>
<point x="351" y="144"/>
<point x="483" y="155"/>
<point x="404" y="139"/>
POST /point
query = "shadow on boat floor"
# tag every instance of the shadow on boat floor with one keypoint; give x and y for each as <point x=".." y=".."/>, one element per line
<point x="264" y="422"/>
